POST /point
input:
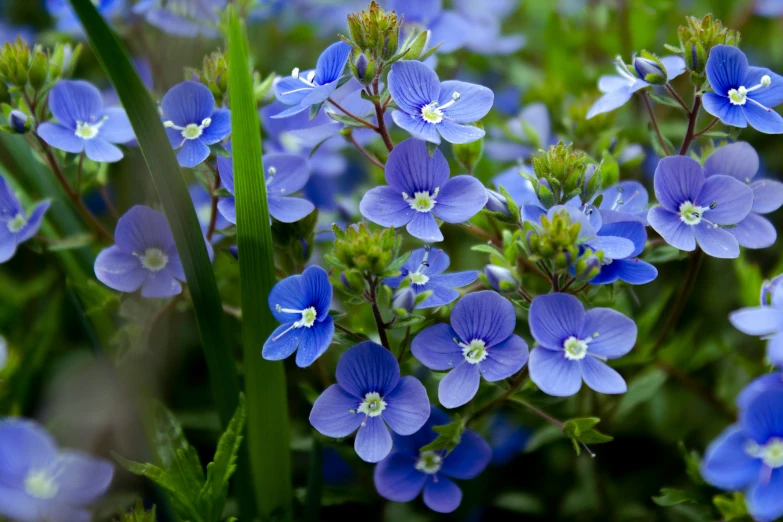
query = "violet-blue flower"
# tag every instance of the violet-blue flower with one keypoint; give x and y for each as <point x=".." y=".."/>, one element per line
<point x="484" y="20"/>
<point x="408" y="471"/>
<point x="692" y="208"/>
<point x="188" y="18"/>
<point x="479" y="342"/>
<point x="574" y="345"/>
<point x="301" y="303"/>
<point x="765" y="321"/>
<point x="624" y="201"/>
<point x="192" y="122"/>
<point x="629" y="269"/>
<point x="39" y="481"/>
<point x="446" y="27"/>
<point x="531" y="129"/>
<point x="430" y="109"/>
<point x="425" y="269"/>
<point x="748" y="456"/>
<point x="369" y="396"/>
<point x="144" y="256"/>
<point x="16" y="226"/>
<point x="83" y="124"/>
<point x="418" y="190"/>
<point x="742" y="94"/>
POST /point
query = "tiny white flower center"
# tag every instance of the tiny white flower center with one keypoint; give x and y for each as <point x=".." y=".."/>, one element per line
<point x="17" y="223"/>
<point x="422" y="201"/>
<point x="87" y="130"/>
<point x="418" y="278"/>
<point x="692" y="214"/>
<point x="475" y="351"/>
<point x="372" y="405"/>
<point x="739" y="96"/>
<point x="40" y="484"/>
<point x="575" y="349"/>
<point x="770" y="453"/>
<point x="309" y="316"/>
<point x="431" y="113"/>
<point x="429" y="462"/>
<point x="154" y="259"/>
<point x="191" y="131"/>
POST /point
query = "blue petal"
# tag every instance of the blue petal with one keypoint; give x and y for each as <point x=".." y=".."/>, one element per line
<point x="289" y="210"/>
<point x="188" y="102"/>
<point x="672" y="229"/>
<point x="316" y="287"/>
<point x="192" y="153"/>
<point x="102" y="151"/>
<point x="612" y="100"/>
<point x="759" y="385"/>
<point x="291" y="91"/>
<point x="314" y="342"/>
<point x="484" y="315"/>
<point x="441" y="295"/>
<point x="319" y="94"/>
<point x="727" y="67"/>
<point x="396" y="477"/>
<point x="459" y="133"/>
<point x="763" y="418"/>
<point x="616" y="332"/>
<point x="759" y="320"/>
<point x="631" y="230"/>
<point x="600" y="377"/>
<point x="459" y="385"/>
<point x="754" y="231"/>
<point x="435" y="348"/>
<point x="553" y="373"/>
<point x="416" y="126"/>
<point x="334" y="413"/>
<point x="504" y="359"/>
<point x="609" y="273"/>
<point x="461" y="198"/>
<point x="443" y="496"/>
<point x="726" y="463"/>
<point x="675" y="66"/>
<point x="716" y="242"/>
<point x="469" y="458"/>
<point x="160" y="285"/>
<point x="410" y="168"/>
<point x="732" y="199"/>
<point x="219" y="129"/>
<point x="450" y="29"/>
<point x="738" y="160"/>
<point x="764" y="120"/>
<point x="282" y="342"/>
<point x="635" y="271"/>
<point x="407" y="406"/>
<point x="456" y="279"/>
<point x="60" y="137"/>
<point x="141" y="228"/>
<point x="474" y="102"/>
<point x="331" y="63"/>
<point x="722" y="107"/>
<point x="292" y="173"/>
<point x="228" y="209"/>
<point x="116" y="128"/>
<point x="770" y="96"/>
<point x="385" y="206"/>
<point x="767" y="195"/>
<point x="677" y="179"/>
<point x="34" y="220"/>
<point x="72" y="101"/>
<point x="82" y="478"/>
<point x="118" y="270"/>
<point x="554" y="318"/>
<point x="423" y="226"/>
<point x="367" y="367"/>
<point x="765" y="503"/>
<point x="413" y="85"/>
<point x="421" y="11"/>
<point x="373" y="441"/>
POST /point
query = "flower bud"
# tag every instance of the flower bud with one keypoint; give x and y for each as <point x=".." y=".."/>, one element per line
<point x="404" y="301"/>
<point x="39" y="70"/>
<point x="650" y="70"/>
<point x="497" y="203"/>
<point x="588" y="266"/>
<point x="19" y="121"/>
<point x="499" y="278"/>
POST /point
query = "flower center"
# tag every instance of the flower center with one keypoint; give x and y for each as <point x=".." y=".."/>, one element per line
<point x="422" y="201"/>
<point x="372" y="405"/>
<point x="475" y="351"/>
<point x="154" y="259"/>
<point x="17" y="223"/>
<point x="418" y="278"/>
<point x="88" y="131"/>
<point x="40" y="484"/>
<point x="308" y="319"/>
<point x="575" y="349"/>
<point x="433" y="112"/>
<point x="739" y="96"/>
<point x="191" y="131"/>
<point x="692" y="214"/>
<point x="429" y="462"/>
<point x="770" y="453"/>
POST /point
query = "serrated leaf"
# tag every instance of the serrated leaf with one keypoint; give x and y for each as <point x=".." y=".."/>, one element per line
<point x="178" y="457"/>
<point x="732" y="506"/>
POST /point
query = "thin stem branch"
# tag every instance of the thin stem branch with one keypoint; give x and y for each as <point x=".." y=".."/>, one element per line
<point x="376" y="312"/>
<point x="693" y="115"/>
<point x="706" y="129"/>
<point x="541" y="413"/>
<point x="372" y="159"/>
<point x="349" y="332"/>
<point x="516" y="382"/>
<point x="655" y="123"/>
<point x="694" y="265"/>
<point x="524" y="295"/>
<point x="698" y="388"/>
<point x="679" y="99"/>
<point x="214" y="202"/>
<point x="382" y="130"/>
<point x="364" y="122"/>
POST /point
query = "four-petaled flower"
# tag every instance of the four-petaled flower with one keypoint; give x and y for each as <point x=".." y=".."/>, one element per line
<point x="765" y="321"/>
<point x="83" y="124"/>
<point x="479" y="342"/>
<point x="629" y="269"/>
<point x="38" y="481"/>
<point x="16" y="227"/>
<point x="742" y="94"/>
<point x="431" y="109"/>
<point x="144" y="256"/>
<point x="192" y="122"/>
<point x="369" y="395"/>
<point x="573" y="345"/>
<point x="692" y="208"/>
<point x="407" y="470"/>
<point x="420" y="189"/>
<point x="425" y="269"/>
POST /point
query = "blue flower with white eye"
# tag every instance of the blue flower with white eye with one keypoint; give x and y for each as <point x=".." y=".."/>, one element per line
<point x="192" y="122"/>
<point x="189" y="18"/>
<point x="16" y="226"/>
<point x="742" y="94"/>
<point x="765" y="321"/>
<point x="531" y="129"/>
<point x="68" y="22"/>
<point x="304" y="89"/>
<point x="430" y="109"/>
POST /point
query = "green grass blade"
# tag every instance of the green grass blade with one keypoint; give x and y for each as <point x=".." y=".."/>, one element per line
<point x="265" y="382"/>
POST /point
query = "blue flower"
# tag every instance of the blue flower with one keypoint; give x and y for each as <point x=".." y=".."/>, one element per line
<point x="301" y="303"/>
<point x="144" y="256"/>
<point x="446" y="27"/>
<point x="425" y="269"/>
<point x="500" y="279"/>
<point x="768" y="8"/>
<point x="624" y="201"/>
<point x="520" y="189"/>
<point x="770" y="381"/>
<point x="369" y="396"/>
<point x="479" y="342"/>
<point x="531" y="130"/>
<point x="189" y="18"/>
<point x="83" y="124"/>
<point x="408" y="471"/>
<point x="748" y="456"/>
<point x="38" y="481"/>
<point x="507" y="438"/>
<point x="68" y="22"/>
<point x="303" y="89"/>
<point x="629" y="269"/>
<point x="192" y="122"/>
<point x="16" y="227"/>
<point x="430" y="109"/>
<point x="484" y="20"/>
<point x="740" y="161"/>
<point x="742" y="94"/>
<point x="419" y="189"/>
<point x="618" y="89"/>
<point x="9" y="33"/>
<point x="573" y="345"/>
<point x="692" y="208"/>
<point x="765" y="321"/>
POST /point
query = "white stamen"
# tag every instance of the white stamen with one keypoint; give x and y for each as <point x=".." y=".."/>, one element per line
<point x="295" y="73"/>
<point x="16" y="223"/>
<point x="474" y="352"/>
<point x="739" y="96"/>
<point x="770" y="453"/>
<point x="309" y="316"/>
<point x="371" y="406"/>
<point x="154" y="259"/>
<point x="191" y="131"/>
<point x="575" y="349"/>
<point x="692" y="214"/>
<point x="41" y="484"/>
<point x="429" y="462"/>
<point x="88" y="130"/>
<point x="422" y="201"/>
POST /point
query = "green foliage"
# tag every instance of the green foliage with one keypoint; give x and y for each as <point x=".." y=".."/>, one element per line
<point x="469" y="154"/>
<point x="581" y="432"/>
<point x="362" y="253"/>
<point x="139" y="514"/>
<point x="449" y="436"/>
<point x="563" y="167"/>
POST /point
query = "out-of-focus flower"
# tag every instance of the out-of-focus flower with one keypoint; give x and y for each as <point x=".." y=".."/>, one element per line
<point x="68" y="22"/>
<point x="765" y="321"/>
<point x="530" y="130"/>
<point x="189" y="18"/>
<point x="16" y="227"/>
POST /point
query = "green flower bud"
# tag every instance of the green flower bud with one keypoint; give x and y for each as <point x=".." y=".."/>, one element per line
<point x="560" y="170"/>
<point x="375" y="31"/>
<point x="369" y="252"/>
<point x="650" y="70"/>
<point x="39" y="70"/>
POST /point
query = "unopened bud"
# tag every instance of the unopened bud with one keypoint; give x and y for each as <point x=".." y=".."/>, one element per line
<point x="650" y="70"/>
<point x="499" y="278"/>
<point x="404" y="300"/>
<point x="497" y="203"/>
<point x="19" y="121"/>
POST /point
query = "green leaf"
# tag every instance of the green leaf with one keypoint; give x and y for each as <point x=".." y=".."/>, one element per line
<point x="750" y="280"/>
<point x="449" y="435"/>
<point x="219" y="150"/>
<point x="417" y="46"/>
<point x="345" y="119"/>
<point x="139" y="514"/>
<point x="70" y="243"/>
<point x="665" y="100"/>
<point x="641" y="388"/>
<point x="469" y="154"/>
<point x="581" y="431"/>
<point x="732" y="506"/>
<point x="672" y="497"/>
<point x="178" y="457"/>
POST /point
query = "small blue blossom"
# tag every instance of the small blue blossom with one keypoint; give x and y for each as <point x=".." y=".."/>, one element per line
<point x="742" y="94"/>
<point x="446" y="27"/>
<point x="531" y="130"/>
<point x="188" y="18"/>
<point x="765" y="321"/>
<point x="574" y="345"/>
<point x="369" y="396"/>
<point x="507" y="438"/>
<point x="68" y="22"/>
<point x="629" y="269"/>
<point x="418" y="190"/>
<point x="39" y="481"/>
<point x="301" y="304"/>
<point x="425" y="269"/>
<point x="192" y="122"/>
<point x="408" y="471"/>
<point x="484" y="20"/>
<point x="518" y="187"/>
<point x="499" y="278"/>
<point x="430" y="109"/>
<point x="16" y="226"/>
<point x="479" y="342"/>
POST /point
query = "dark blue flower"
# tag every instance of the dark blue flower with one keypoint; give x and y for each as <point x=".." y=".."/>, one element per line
<point x="182" y="17"/>
<point x="765" y="321"/>
<point x="16" y="226"/>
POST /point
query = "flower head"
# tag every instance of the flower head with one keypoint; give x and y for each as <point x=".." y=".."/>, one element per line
<point x="742" y="94"/>
<point x="425" y="269"/>
<point x="430" y="109"/>
<point x="192" y="122"/>
<point x="630" y="268"/>
<point x="16" y="226"/>
<point x="692" y="208"/>
<point x="301" y="303"/>
<point x="765" y="321"/>
<point x="188" y="18"/>
<point x="40" y="481"/>
<point x="573" y="345"/>
<point x="479" y="342"/>
<point x="418" y="190"/>
<point x="408" y="471"/>
<point x="369" y="396"/>
<point x="83" y="124"/>
<point x="144" y="256"/>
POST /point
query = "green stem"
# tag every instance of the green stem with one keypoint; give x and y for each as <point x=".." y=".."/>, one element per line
<point x="655" y="123"/>
<point x="690" y="134"/>
<point x="376" y="312"/>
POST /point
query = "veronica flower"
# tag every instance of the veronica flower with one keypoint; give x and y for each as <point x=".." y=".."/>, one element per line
<point x="425" y="269"/>
<point x="408" y="471"/>
<point x="765" y="321"/>
<point x="479" y="342"/>
<point x="303" y="89"/>
<point x="740" y="161"/>
<point x="768" y="8"/>
<point x="624" y="201"/>
<point x="189" y="18"/>
<point x="202" y="201"/>
<point x="418" y="190"/>
<point x="144" y="256"/>
<point x="16" y="226"/>
<point x="629" y="269"/>
<point x="369" y="396"/>
<point x="447" y="28"/>
<point x="68" y="22"/>
<point x="748" y="456"/>
<point x="692" y="208"/>
<point x="83" y="124"/>
<point x="619" y="88"/>
<point x="518" y="187"/>
<point x="530" y="130"/>
<point x="484" y="21"/>
<point x="507" y="438"/>
<point x="192" y="122"/>
<point x="742" y="94"/>
<point x="430" y="109"/>
<point x="38" y="481"/>
<point x="759" y="385"/>
<point x="500" y="279"/>
<point x="574" y="345"/>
